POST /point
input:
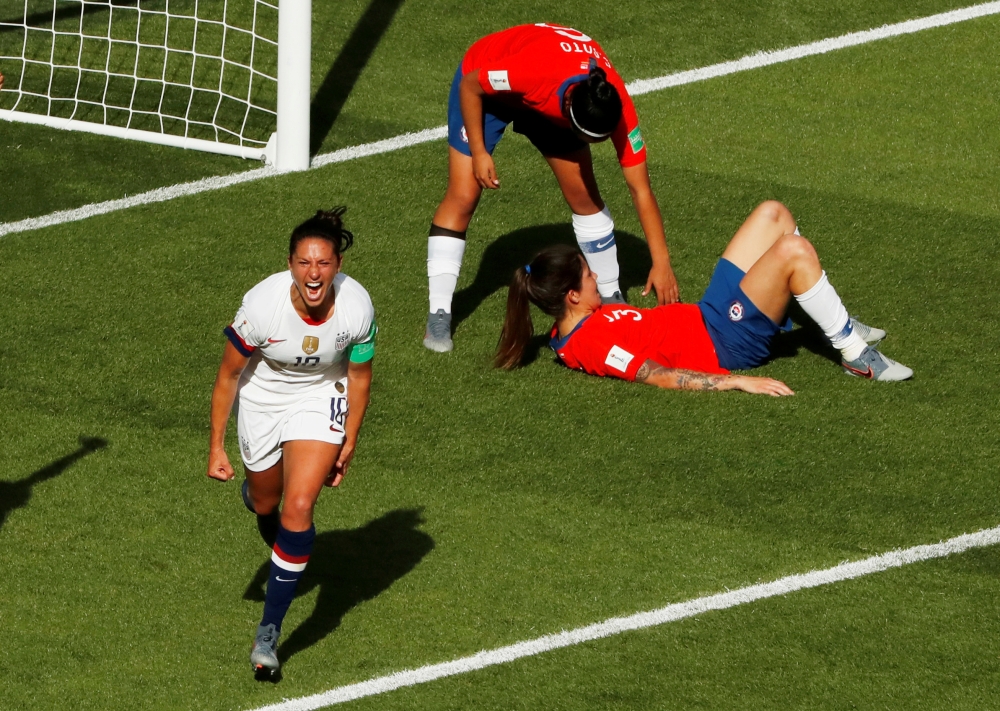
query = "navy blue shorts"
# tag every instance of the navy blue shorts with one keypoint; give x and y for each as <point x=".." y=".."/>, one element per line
<point x="548" y="138"/>
<point x="741" y="332"/>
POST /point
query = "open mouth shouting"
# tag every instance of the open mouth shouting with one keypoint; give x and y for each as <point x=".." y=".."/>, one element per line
<point x="314" y="291"/>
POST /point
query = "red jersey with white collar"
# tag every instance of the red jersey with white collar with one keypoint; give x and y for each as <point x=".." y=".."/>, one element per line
<point x="617" y="339"/>
<point x="530" y="66"/>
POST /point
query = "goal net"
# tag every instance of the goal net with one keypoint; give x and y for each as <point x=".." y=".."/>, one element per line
<point x="198" y="74"/>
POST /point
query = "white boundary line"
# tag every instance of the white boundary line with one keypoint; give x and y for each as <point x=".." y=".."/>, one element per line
<point x="636" y="88"/>
<point x="642" y="620"/>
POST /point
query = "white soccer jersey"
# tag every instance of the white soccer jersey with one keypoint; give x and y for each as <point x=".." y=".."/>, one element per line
<point x="292" y="358"/>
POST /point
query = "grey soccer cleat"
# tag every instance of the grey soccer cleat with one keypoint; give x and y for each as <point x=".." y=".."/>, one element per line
<point x="264" y="653"/>
<point x="871" y="335"/>
<point x="437" y="337"/>
<point x="615" y="298"/>
<point x="873" y="365"/>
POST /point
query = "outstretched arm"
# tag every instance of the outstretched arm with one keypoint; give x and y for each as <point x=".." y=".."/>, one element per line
<point x="653" y="373"/>
<point x="223" y="396"/>
<point x="661" y="276"/>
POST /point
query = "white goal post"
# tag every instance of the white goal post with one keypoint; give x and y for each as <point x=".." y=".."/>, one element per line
<point x="225" y="76"/>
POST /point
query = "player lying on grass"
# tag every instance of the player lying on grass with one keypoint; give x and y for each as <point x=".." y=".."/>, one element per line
<point x="559" y="89"/>
<point x="693" y="346"/>
<point x="308" y="337"/>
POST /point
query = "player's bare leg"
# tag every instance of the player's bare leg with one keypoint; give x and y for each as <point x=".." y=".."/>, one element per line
<point x="790" y="267"/>
<point x="446" y="247"/>
<point x="765" y="225"/>
<point x="462" y="195"/>
<point x="592" y="223"/>
<point x="306" y="466"/>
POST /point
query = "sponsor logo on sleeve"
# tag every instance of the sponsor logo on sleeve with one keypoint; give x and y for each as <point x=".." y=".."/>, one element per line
<point x="244" y="329"/>
<point x="499" y="80"/>
<point x="618" y="358"/>
<point x="635" y="139"/>
<point x="736" y="311"/>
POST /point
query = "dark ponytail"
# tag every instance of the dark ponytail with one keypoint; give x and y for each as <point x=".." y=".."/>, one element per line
<point x="553" y="273"/>
<point x="595" y="104"/>
<point x="325" y="224"/>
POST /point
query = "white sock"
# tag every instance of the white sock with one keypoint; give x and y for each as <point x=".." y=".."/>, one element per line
<point x="596" y="236"/>
<point x="822" y="304"/>
<point x="444" y="262"/>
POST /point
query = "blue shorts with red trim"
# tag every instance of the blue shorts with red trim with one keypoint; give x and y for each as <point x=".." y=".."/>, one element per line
<point x="548" y="138"/>
<point x="741" y="332"/>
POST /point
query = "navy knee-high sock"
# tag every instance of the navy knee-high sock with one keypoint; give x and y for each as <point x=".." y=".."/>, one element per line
<point x="288" y="561"/>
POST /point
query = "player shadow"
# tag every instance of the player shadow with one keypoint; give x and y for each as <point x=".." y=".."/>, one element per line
<point x="347" y="67"/>
<point x="517" y="248"/>
<point x="807" y="336"/>
<point x="17" y="494"/>
<point x="349" y="567"/>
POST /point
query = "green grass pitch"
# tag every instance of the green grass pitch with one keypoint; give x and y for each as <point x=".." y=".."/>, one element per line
<point x="485" y="508"/>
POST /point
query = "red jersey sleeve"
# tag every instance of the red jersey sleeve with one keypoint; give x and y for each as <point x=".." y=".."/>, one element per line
<point x="531" y="66"/>
<point x="627" y="136"/>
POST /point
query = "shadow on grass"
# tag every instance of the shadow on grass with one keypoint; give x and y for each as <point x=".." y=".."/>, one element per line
<point x="517" y="248"/>
<point x="16" y="494"/>
<point x="350" y="567"/>
<point x="347" y="67"/>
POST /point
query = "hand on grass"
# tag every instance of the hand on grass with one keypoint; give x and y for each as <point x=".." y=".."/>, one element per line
<point x="762" y="386"/>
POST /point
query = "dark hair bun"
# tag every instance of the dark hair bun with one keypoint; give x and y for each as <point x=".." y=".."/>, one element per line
<point x="597" y="107"/>
<point x="325" y="224"/>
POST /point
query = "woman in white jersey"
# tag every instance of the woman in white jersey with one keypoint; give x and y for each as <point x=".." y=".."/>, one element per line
<point x="300" y="351"/>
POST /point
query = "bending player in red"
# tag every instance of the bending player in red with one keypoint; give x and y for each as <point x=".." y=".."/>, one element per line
<point x="560" y="90"/>
<point x="694" y="346"/>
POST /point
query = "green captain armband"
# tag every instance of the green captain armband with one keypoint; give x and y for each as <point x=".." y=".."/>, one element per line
<point x="364" y="352"/>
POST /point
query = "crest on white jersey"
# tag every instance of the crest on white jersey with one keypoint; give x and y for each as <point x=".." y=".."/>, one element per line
<point x="310" y="344"/>
<point x="342" y="340"/>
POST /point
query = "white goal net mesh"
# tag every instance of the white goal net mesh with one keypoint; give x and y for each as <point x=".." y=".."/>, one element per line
<point x="194" y="69"/>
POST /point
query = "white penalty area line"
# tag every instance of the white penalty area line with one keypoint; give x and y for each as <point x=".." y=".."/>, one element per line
<point x="406" y="140"/>
<point x="642" y="620"/>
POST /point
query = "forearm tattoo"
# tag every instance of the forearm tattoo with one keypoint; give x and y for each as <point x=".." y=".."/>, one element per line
<point x="693" y="380"/>
<point x="685" y="379"/>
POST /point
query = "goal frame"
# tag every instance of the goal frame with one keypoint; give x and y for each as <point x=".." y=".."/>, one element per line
<point x="288" y="147"/>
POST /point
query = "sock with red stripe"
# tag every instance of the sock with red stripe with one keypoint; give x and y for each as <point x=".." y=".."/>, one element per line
<point x="288" y="561"/>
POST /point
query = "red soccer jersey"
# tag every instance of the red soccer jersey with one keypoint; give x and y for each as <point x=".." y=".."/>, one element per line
<point x="530" y="66"/>
<point x="617" y="339"/>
